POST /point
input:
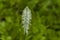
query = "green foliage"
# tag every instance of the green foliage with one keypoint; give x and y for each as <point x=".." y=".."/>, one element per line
<point x="45" y="23"/>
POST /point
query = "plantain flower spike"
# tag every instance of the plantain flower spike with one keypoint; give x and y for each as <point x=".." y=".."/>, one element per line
<point x="26" y="19"/>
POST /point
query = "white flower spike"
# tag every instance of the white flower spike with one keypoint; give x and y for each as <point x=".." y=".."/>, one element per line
<point x="26" y="19"/>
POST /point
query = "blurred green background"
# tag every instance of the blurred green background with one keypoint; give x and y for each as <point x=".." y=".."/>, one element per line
<point x="45" y="23"/>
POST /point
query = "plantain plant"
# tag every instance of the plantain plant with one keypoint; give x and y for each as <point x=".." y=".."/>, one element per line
<point x="44" y="22"/>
